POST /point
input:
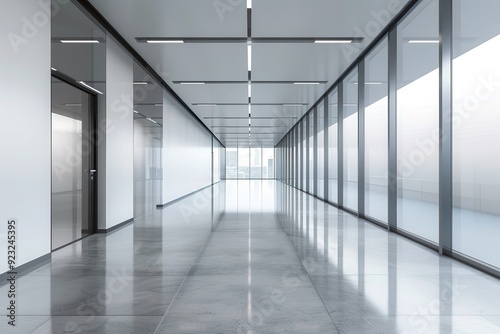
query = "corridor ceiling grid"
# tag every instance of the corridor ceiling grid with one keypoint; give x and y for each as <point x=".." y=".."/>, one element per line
<point x="249" y="69"/>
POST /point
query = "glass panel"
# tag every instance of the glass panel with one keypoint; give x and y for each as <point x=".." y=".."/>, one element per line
<point x="351" y="141"/>
<point x="376" y="132"/>
<point x="321" y="150"/>
<point x="80" y="61"/>
<point x="231" y="163"/>
<point x="268" y="163"/>
<point x="476" y="130"/>
<point x="148" y="142"/>
<point x="256" y="163"/>
<point x="418" y="121"/>
<point x="333" y="147"/>
<point x="305" y="161"/>
<point x="243" y="162"/>
<point x="312" y="189"/>
<point x="72" y="162"/>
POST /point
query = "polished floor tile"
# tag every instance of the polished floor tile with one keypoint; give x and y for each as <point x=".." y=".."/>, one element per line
<point x="260" y="257"/>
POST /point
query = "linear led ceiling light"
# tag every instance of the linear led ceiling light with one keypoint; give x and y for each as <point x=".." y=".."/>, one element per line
<point x="423" y="41"/>
<point x="89" y="87"/>
<point x="249" y="52"/>
<point x="333" y="41"/>
<point x="249" y="4"/>
<point x="192" y="83"/>
<point x="306" y="83"/>
<point x="151" y="120"/>
<point x="80" y="41"/>
<point x="164" y="41"/>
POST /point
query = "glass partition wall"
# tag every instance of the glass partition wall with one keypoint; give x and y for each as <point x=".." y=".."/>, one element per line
<point x="407" y="146"/>
<point x="252" y="163"/>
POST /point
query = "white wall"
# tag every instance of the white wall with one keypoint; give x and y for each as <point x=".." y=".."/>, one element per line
<point x="25" y="123"/>
<point x="187" y="152"/>
<point x="116" y="163"/>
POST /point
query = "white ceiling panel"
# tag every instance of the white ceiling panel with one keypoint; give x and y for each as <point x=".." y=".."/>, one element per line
<point x="278" y="61"/>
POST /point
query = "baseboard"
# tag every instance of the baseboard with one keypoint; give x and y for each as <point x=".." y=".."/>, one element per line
<point x="28" y="267"/>
<point x="116" y="227"/>
<point x="161" y="206"/>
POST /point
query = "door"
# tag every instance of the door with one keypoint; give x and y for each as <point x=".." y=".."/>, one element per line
<point x="74" y="176"/>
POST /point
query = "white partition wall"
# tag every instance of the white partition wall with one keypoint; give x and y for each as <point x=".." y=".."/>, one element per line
<point x="187" y="152"/>
<point x="116" y="152"/>
<point x="25" y="119"/>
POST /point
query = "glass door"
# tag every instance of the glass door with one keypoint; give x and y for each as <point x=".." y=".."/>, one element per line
<point x="74" y="175"/>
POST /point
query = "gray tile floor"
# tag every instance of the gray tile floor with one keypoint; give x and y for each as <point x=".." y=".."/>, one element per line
<point x="268" y="259"/>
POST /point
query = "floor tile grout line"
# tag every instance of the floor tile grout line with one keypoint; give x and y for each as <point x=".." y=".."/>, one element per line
<point x="308" y="276"/>
<point x="200" y="253"/>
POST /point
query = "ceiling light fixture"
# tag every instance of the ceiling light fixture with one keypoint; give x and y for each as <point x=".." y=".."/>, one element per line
<point x="249" y="90"/>
<point x="371" y="83"/>
<point x="249" y="4"/>
<point x="205" y="104"/>
<point x="165" y="41"/>
<point x="136" y="111"/>
<point x="192" y="83"/>
<point x="141" y="82"/>
<point x="423" y="41"/>
<point x="80" y="41"/>
<point x="249" y="52"/>
<point x="151" y="120"/>
<point x="53" y="69"/>
<point x="333" y="41"/>
<point x="89" y="87"/>
<point x="306" y="83"/>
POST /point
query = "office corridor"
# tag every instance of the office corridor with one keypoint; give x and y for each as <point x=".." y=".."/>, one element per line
<point x="252" y="257"/>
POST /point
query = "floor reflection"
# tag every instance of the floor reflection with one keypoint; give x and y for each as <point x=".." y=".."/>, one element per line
<point x="253" y="257"/>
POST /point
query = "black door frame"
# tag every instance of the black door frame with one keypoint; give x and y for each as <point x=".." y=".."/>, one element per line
<point x="93" y="189"/>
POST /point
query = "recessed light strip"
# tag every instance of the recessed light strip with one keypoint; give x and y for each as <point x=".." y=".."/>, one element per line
<point x="333" y="41"/>
<point x="423" y="41"/>
<point x="80" y="41"/>
<point x="165" y="41"/>
<point x="306" y="83"/>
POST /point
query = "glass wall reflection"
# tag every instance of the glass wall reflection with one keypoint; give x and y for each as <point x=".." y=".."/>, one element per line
<point x="476" y="130"/>
<point x="72" y="164"/>
<point x="376" y="132"/>
<point x="418" y="121"/>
